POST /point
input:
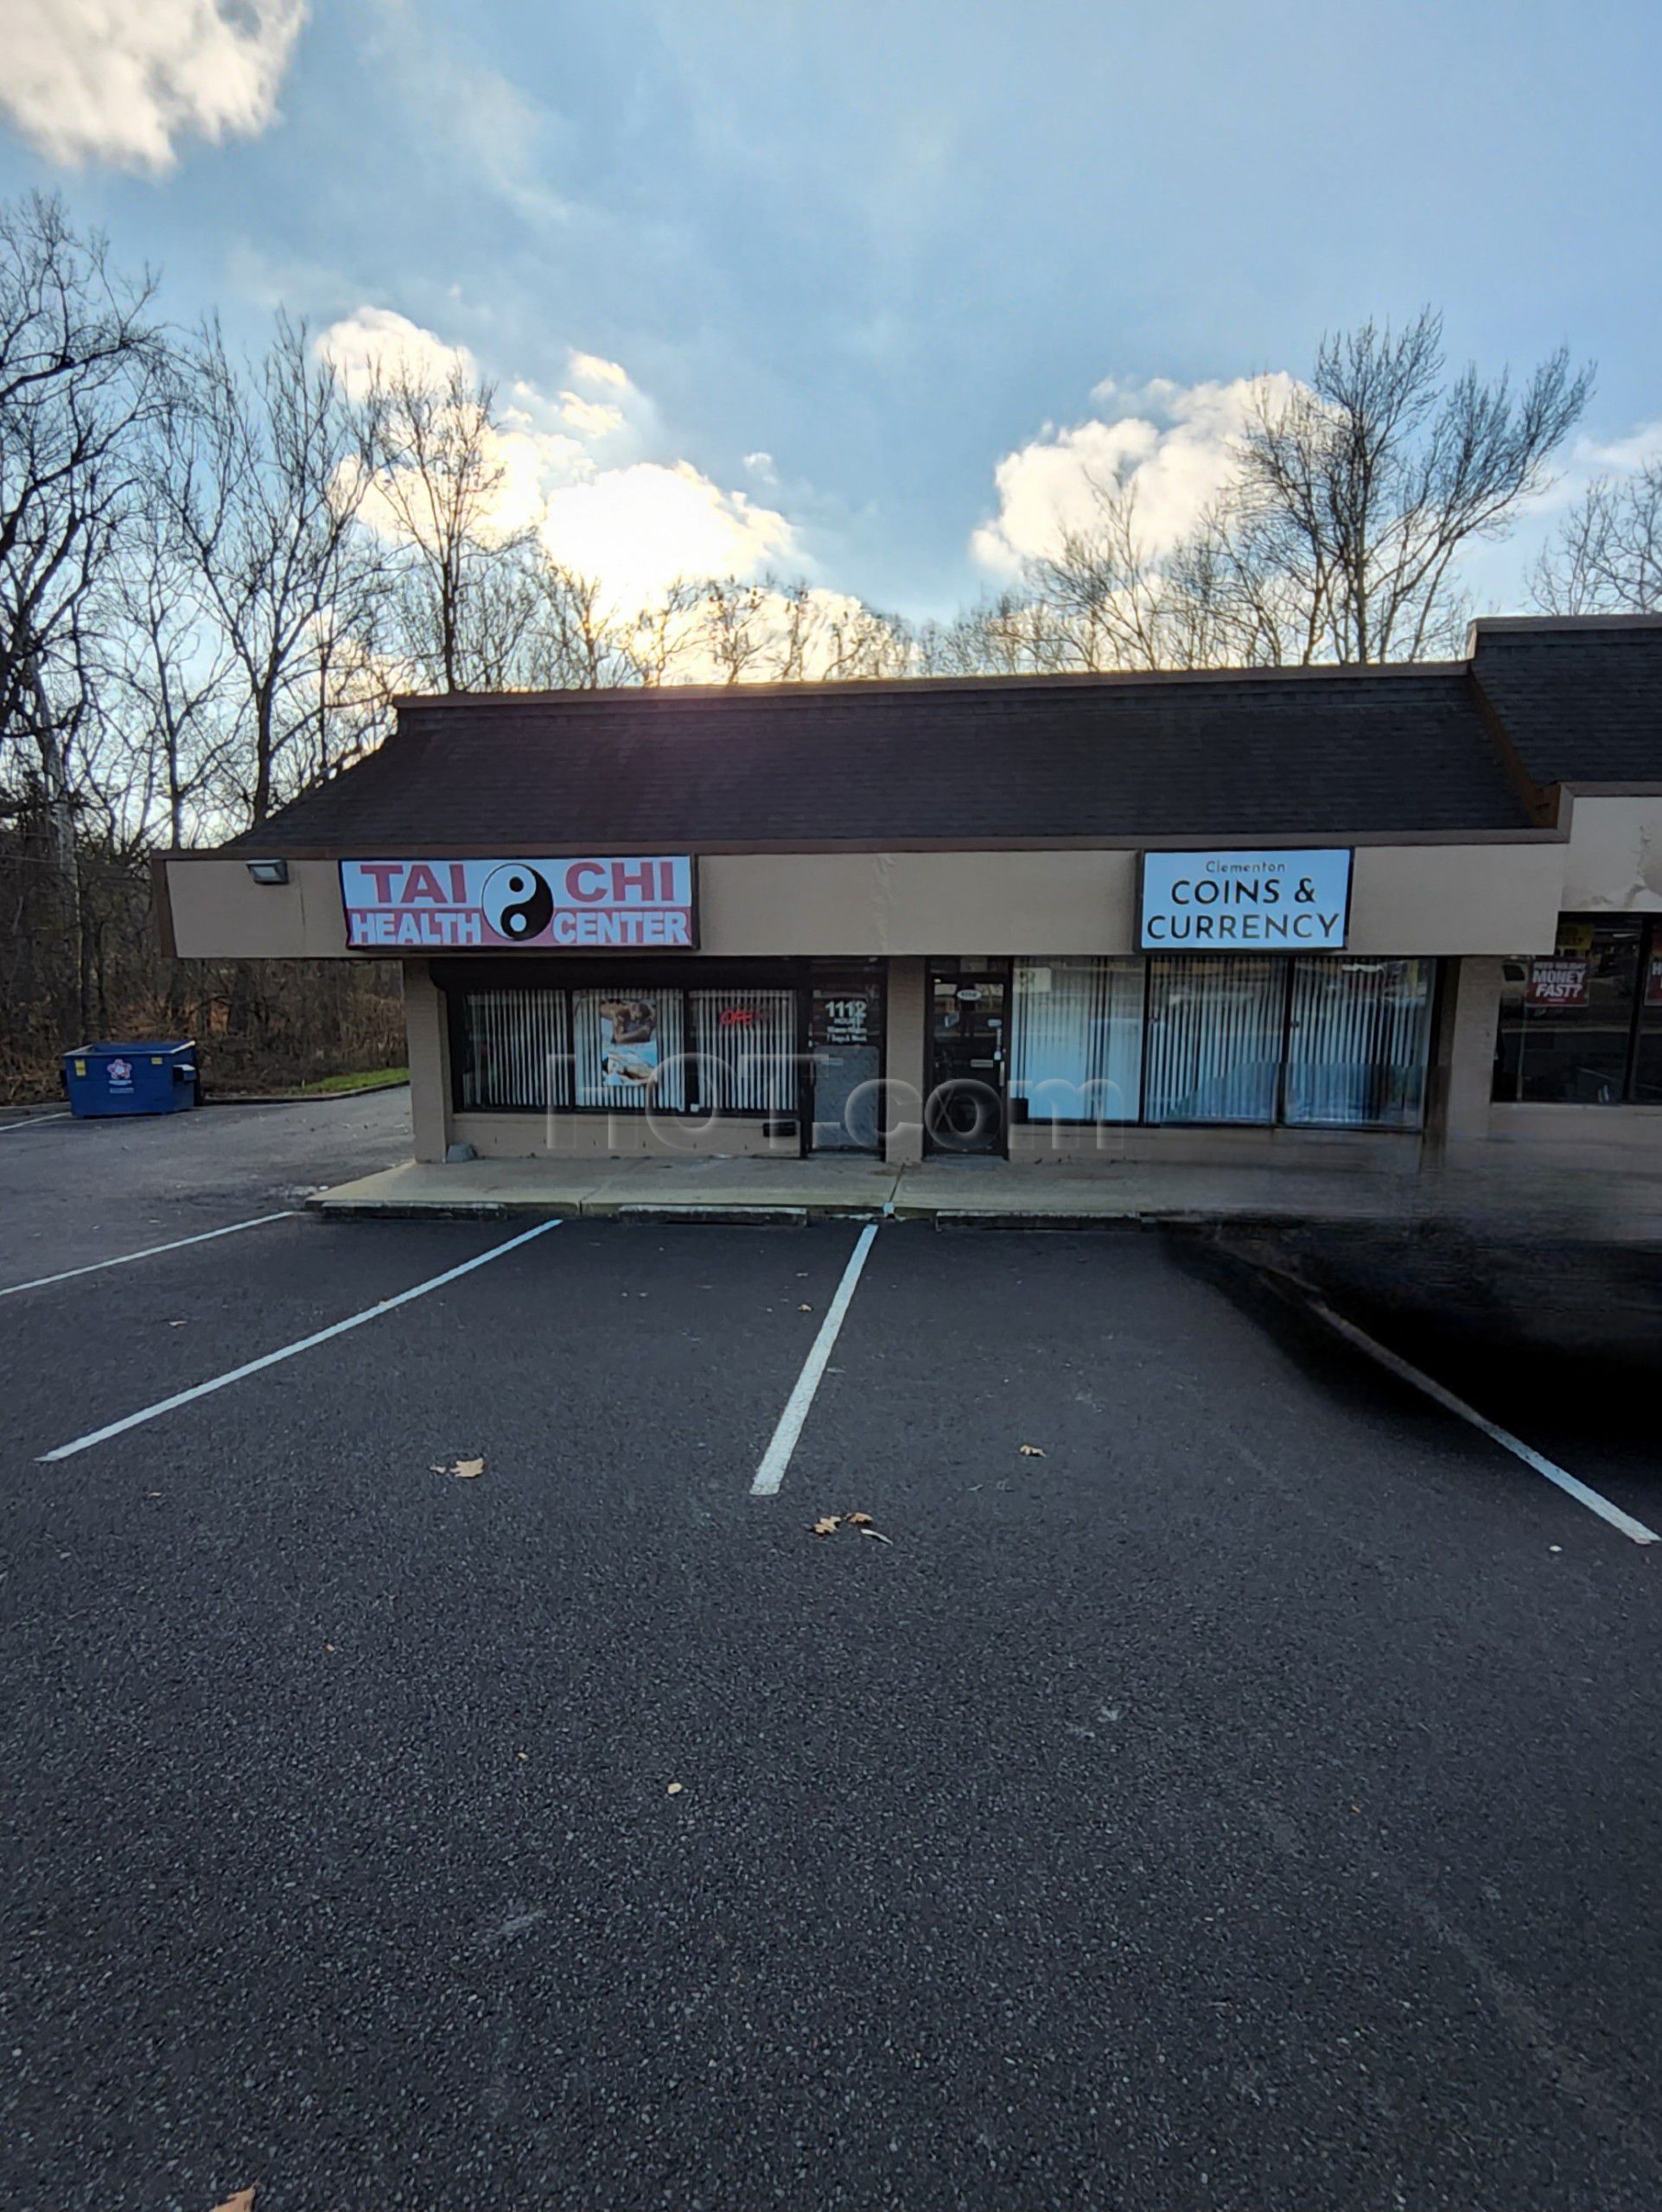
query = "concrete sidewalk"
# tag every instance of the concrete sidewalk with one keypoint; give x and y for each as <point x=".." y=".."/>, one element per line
<point x="1548" y="1203"/>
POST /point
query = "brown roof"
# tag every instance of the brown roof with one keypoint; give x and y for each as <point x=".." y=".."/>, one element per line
<point x="1579" y="701"/>
<point x="1278" y="753"/>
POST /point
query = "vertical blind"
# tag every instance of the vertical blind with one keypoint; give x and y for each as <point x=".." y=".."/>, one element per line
<point x="706" y="1051"/>
<point x="1357" y="1051"/>
<point x="515" y="1051"/>
<point x="744" y="1051"/>
<point x="1076" y="1039"/>
<point x="1214" y="1039"/>
<point x="1231" y="1038"/>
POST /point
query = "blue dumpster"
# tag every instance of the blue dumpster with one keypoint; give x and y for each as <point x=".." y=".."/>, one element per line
<point x="147" y="1078"/>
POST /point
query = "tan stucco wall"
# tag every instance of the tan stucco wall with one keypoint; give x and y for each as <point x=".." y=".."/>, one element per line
<point x="1407" y="898"/>
<point x="1420" y="899"/>
<point x="220" y="914"/>
<point x="1615" y="860"/>
<point x="1456" y="899"/>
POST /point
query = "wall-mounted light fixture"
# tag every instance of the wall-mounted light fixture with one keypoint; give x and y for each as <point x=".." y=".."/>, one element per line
<point x="269" y="871"/>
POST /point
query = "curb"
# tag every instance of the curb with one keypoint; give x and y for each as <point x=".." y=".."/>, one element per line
<point x="296" y="1097"/>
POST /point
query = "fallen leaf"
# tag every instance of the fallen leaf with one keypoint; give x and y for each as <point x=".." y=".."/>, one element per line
<point x="827" y="1524"/>
<point x="805" y="1309"/>
<point x="859" y="1520"/>
<point x="1031" y="1451"/>
<point x="674" y="1789"/>
<point x="878" y="1534"/>
<point x="468" y="1468"/>
<point x="242" y="2201"/>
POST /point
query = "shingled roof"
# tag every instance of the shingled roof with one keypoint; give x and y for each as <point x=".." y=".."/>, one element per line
<point x="1579" y="701"/>
<point x="1280" y="754"/>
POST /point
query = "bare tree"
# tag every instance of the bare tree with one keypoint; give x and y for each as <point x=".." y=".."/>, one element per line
<point x="1359" y="490"/>
<point x="437" y="477"/>
<point x="263" y="473"/>
<point x="576" y="642"/>
<point x="859" y="642"/>
<point x="1606" y="557"/>
<point x="82" y="371"/>
<point x="1100" y="600"/>
<point x="660" y="633"/>
<point x="169" y="695"/>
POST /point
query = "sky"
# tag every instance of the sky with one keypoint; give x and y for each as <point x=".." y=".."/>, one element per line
<point x="865" y="290"/>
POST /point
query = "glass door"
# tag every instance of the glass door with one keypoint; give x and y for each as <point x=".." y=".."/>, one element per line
<point x="965" y="1112"/>
<point x="845" y="1047"/>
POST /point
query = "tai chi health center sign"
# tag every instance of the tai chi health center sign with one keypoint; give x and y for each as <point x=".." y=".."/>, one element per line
<point x="1236" y="902"/>
<point x="603" y="901"/>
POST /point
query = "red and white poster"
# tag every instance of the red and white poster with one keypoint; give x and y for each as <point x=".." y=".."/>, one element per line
<point x="1560" y="982"/>
<point x="495" y="905"/>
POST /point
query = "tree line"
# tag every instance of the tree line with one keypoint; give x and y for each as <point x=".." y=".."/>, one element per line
<point x="216" y="572"/>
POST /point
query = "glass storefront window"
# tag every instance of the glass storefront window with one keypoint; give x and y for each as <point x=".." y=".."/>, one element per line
<point x="1315" y="1042"/>
<point x="515" y="1051"/>
<point x="623" y="1048"/>
<point x="1358" y="1044"/>
<point x="1077" y="1040"/>
<point x="627" y="1046"/>
<point x="1215" y="1038"/>
<point x="1647" y="1058"/>
<point x="743" y="1052"/>
<point x="1568" y="1020"/>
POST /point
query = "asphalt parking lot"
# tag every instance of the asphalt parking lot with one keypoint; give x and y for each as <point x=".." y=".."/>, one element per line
<point x="1247" y="1797"/>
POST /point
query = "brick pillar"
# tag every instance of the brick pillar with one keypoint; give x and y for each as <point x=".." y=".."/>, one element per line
<point x="1463" y="1071"/>
<point x="428" y="1041"/>
<point x="905" y="1063"/>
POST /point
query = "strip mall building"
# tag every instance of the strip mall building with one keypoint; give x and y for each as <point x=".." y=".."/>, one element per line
<point x="1376" y="915"/>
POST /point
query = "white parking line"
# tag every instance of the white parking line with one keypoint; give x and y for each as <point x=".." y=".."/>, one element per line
<point x="1570" y="1484"/>
<point x="290" y="1351"/>
<point x="34" y="1121"/>
<point x="125" y="1259"/>
<point x="777" y="1457"/>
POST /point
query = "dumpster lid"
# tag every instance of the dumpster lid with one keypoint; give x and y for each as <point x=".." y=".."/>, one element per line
<point x="136" y="1044"/>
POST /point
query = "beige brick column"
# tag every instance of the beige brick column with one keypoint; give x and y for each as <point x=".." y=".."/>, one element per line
<point x="905" y="1063"/>
<point x="427" y="1039"/>
<point x="1462" y="1068"/>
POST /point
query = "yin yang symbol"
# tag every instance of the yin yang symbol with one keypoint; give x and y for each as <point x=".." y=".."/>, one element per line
<point x="517" y="903"/>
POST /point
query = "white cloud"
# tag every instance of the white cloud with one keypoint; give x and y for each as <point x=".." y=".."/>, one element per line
<point x="122" y="81"/>
<point x="371" y="342"/>
<point x="639" y="527"/>
<point x="589" y="474"/>
<point x="598" y="375"/>
<point x="589" y="419"/>
<point x="1618" y="456"/>
<point x="1175" y="444"/>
